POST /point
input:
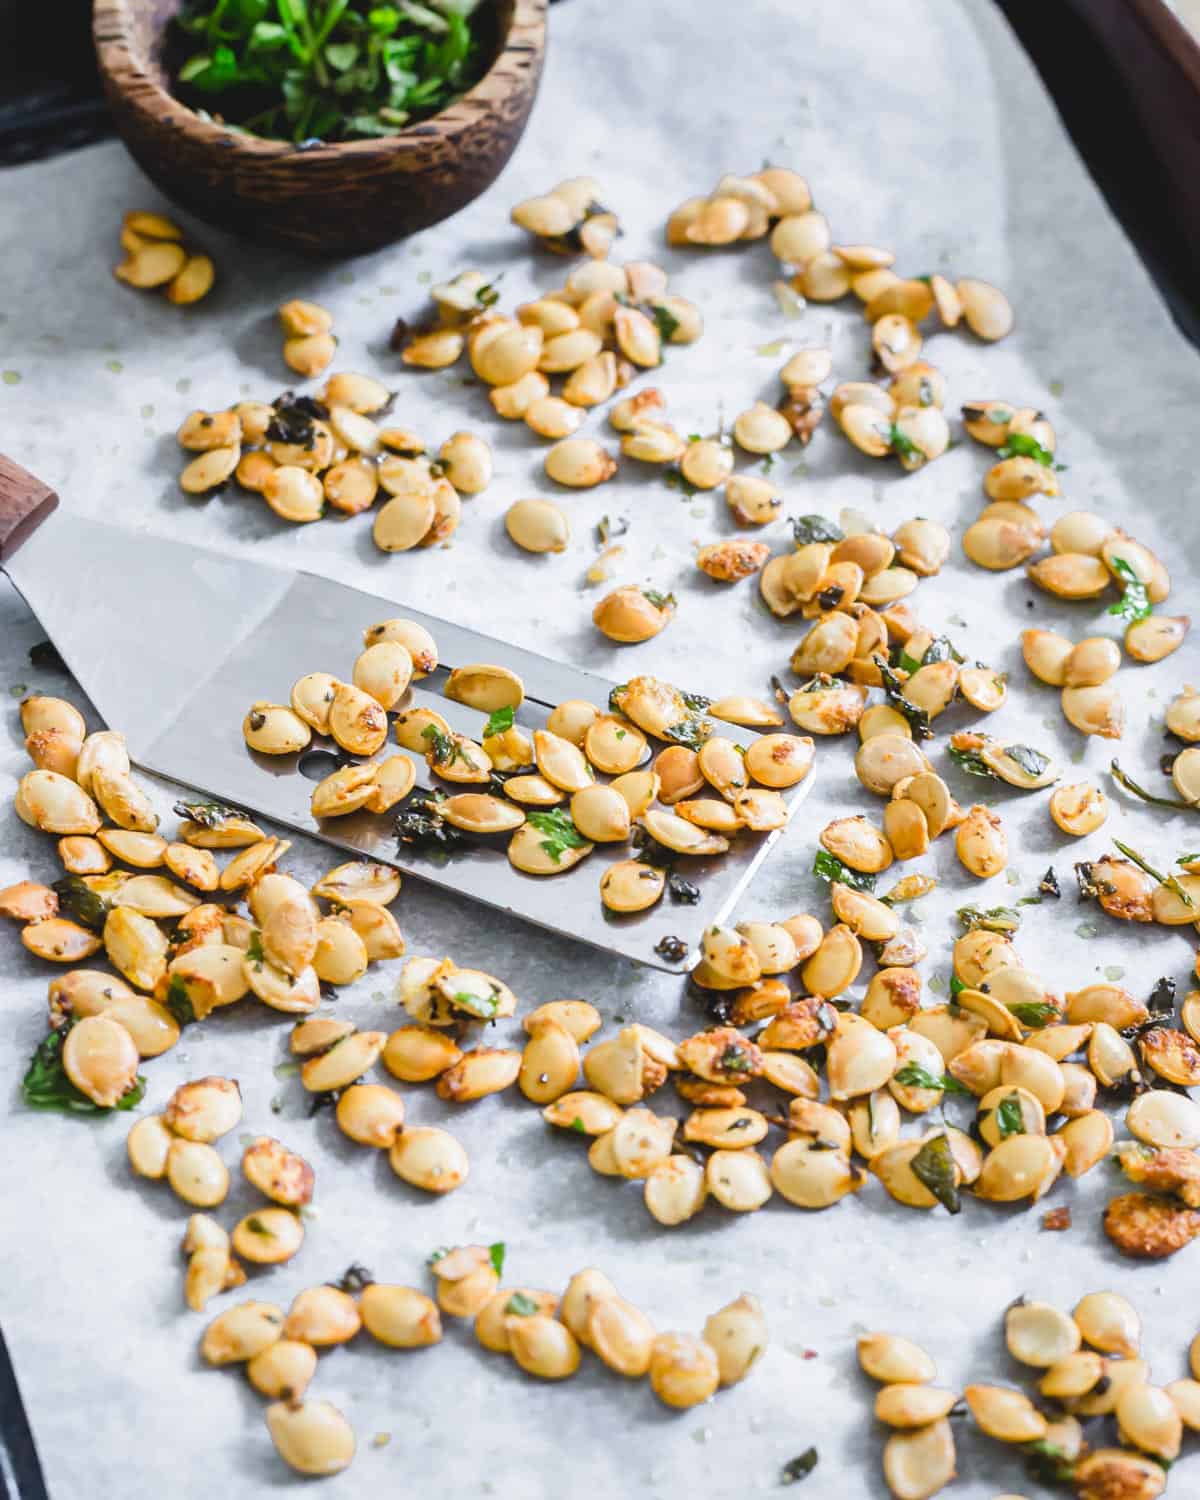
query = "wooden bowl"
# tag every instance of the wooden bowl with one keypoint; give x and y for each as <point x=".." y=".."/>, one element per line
<point x="327" y="200"/>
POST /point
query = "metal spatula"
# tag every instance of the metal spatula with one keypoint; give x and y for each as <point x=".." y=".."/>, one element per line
<point x="127" y="609"/>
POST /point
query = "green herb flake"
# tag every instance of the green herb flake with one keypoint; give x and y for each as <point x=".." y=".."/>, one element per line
<point x="917" y="718"/>
<point x="1010" y="1120"/>
<point x="1048" y="1463"/>
<point x="934" y="1166"/>
<point x="1124" y="780"/>
<point x="828" y="867"/>
<point x="178" y="1002"/>
<point x="254" y="950"/>
<point x="1021" y="445"/>
<point x="578" y="1126"/>
<point x="496" y="1253"/>
<point x="1134" y="603"/>
<point x="995" y="919"/>
<point x="499" y="722"/>
<point x="664" y="320"/>
<point x="1034" y="1013"/>
<point x="914" y="1076"/>
<point x="806" y="529"/>
<point x="521" y="1306"/>
<point x="901" y="444"/>
<point x="560" y="832"/>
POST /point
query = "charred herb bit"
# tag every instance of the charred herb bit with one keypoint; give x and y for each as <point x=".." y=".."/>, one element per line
<point x="734" y="1060"/>
<point x="1056" y="1220"/>
<point x="1122" y="779"/>
<point x="46" y="1085"/>
<point x="1134" y="603"/>
<point x="207" y="814"/>
<point x="1048" y="1463"/>
<point x="935" y="1167"/>
<point x="420" y="826"/>
<point x="256" y="1226"/>
<point x="293" y="418"/>
<point x="650" y="851"/>
<point x="697" y="702"/>
<point x="178" y="1001"/>
<point x="1048" y="885"/>
<point x="831" y="597"/>
<point x="808" y="529"/>
<point x="682" y="890"/>
<point x="994" y="919"/>
<point x="1034" y="1013"/>
<point x="521" y="1306"/>
<point x="1022" y="445"/>
<point x="1171" y="883"/>
<point x="496" y="1254"/>
<point x="918" y="718"/>
<point x="799" y="1467"/>
<point x="327" y="1100"/>
<point x="914" y="1076"/>
<point x="355" y="1278"/>
<point x="673" y="949"/>
<point x="499" y="722"/>
<point x="443" y="750"/>
<point x="79" y="902"/>
<point x="1162" y="997"/>
<point x="560" y="832"/>
<point x="607" y="529"/>
<point x="46" y="657"/>
<point x="829" y="867"/>
<point x="1010" y="1119"/>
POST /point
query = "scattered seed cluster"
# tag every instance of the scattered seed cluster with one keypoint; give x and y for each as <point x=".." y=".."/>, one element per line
<point x="155" y="256"/>
<point x="1089" y="1369"/>
<point x="689" y="800"/>
<point x="542" y="1332"/>
<point x="303" y="454"/>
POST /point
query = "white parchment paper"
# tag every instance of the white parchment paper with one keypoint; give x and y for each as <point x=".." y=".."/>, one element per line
<point x="923" y="129"/>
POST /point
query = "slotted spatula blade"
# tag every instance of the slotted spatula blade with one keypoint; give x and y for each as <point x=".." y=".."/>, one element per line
<point x="127" y="611"/>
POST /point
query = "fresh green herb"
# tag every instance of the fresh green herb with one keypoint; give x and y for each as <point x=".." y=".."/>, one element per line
<point x="918" y="718"/>
<point x="1170" y="881"/>
<point x="561" y="833"/>
<point x="1032" y="762"/>
<point x="496" y="1253"/>
<point x="207" y="814"/>
<point x="956" y="986"/>
<point x="907" y="663"/>
<point x="798" y="1468"/>
<point x="254" y="950"/>
<point x="1187" y="859"/>
<point x="829" y="867"/>
<point x="914" y="1076"/>
<point x="659" y="600"/>
<point x="1122" y="779"/>
<point x="79" y="902"/>
<point x="900" y="444"/>
<point x="808" y="529"/>
<point x="734" y="1060"/>
<point x="935" y="1167"/>
<point x="499" y="722"/>
<point x="521" y="1306"/>
<point x="332" y="70"/>
<point x="606" y="529"/>
<point x="1134" y="603"/>
<point x="1029" y="901"/>
<point x="435" y="1255"/>
<point x="1010" y="1119"/>
<point x="665" y="321"/>
<point x="1021" y="445"/>
<point x="578" y="1126"/>
<point x="994" y="919"/>
<point x="46" y="1085"/>
<point x="178" y="1002"/>
<point x="1048" y="1463"/>
<point x="942" y="648"/>
<point x="697" y="702"/>
<point x="1034" y="1013"/>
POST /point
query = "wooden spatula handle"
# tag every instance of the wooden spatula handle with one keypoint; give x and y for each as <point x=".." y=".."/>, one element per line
<point x="25" y="502"/>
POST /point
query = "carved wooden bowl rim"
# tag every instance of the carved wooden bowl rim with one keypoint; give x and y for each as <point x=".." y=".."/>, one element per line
<point x="125" y="72"/>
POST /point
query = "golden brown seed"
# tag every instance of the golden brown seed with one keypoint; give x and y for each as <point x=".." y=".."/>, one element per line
<point x="919" y="1463"/>
<point x="429" y="1158"/>
<point x="400" y="1316"/>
